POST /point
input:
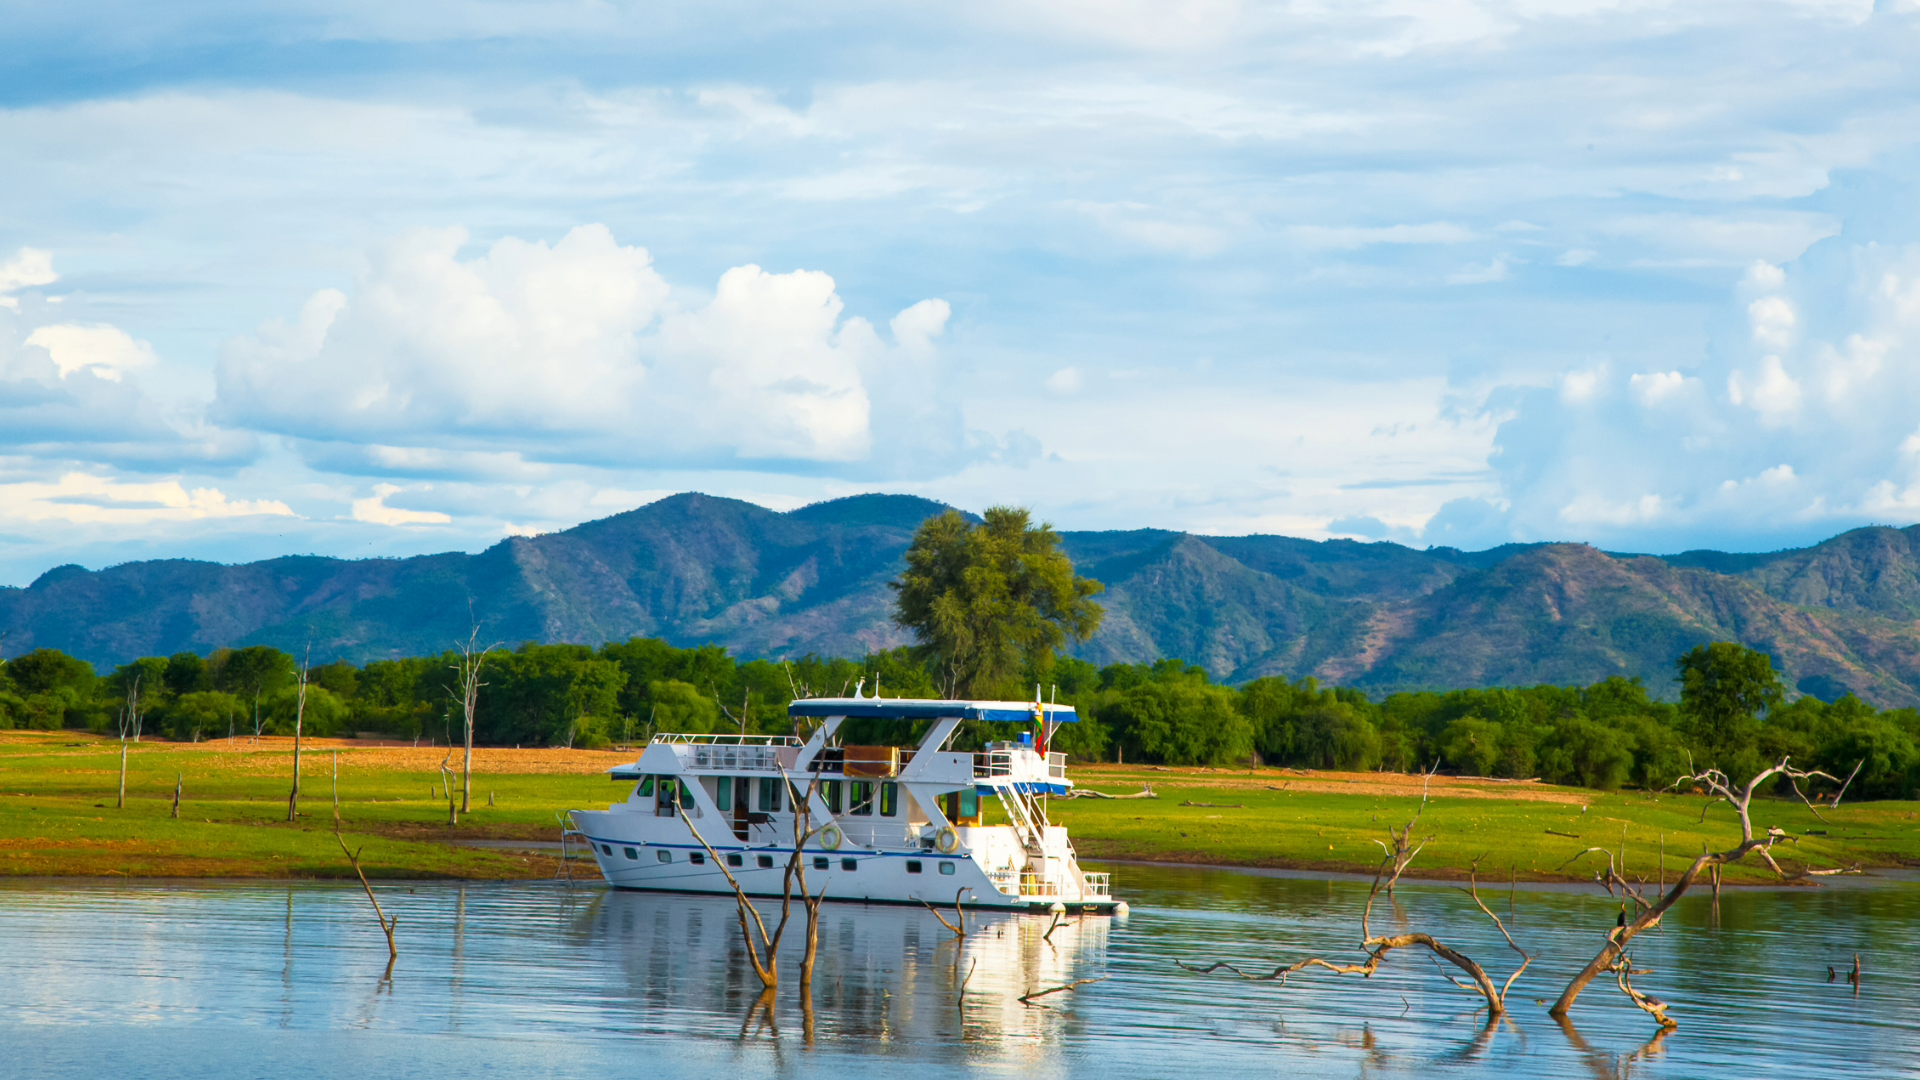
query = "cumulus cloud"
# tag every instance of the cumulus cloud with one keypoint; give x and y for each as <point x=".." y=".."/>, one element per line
<point x="578" y="351"/>
<point x="1798" y="421"/>
<point x="69" y="392"/>
<point x="27" y="268"/>
<point x="87" y="499"/>
<point x="106" y="351"/>
<point x="374" y="510"/>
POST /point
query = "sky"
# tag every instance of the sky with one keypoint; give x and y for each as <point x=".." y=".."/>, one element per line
<point x="366" y="279"/>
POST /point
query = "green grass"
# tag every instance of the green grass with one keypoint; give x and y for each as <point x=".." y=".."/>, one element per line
<point x="58" y="818"/>
<point x="1507" y="833"/>
<point x="58" y="815"/>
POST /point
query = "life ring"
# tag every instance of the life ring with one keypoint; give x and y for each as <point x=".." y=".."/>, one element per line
<point x="830" y="838"/>
<point x="946" y="840"/>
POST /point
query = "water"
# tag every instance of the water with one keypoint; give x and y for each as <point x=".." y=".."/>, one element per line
<point x="232" y="981"/>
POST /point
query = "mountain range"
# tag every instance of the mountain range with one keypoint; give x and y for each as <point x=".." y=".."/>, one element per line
<point x="1840" y="616"/>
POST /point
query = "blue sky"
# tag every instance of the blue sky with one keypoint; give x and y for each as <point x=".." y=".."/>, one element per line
<point x="357" y="278"/>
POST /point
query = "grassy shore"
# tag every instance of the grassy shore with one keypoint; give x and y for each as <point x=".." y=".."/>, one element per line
<point x="58" y="816"/>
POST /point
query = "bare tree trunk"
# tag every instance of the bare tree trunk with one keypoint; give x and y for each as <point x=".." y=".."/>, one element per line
<point x="299" y="717"/>
<point x="177" y="778"/>
<point x="1612" y="956"/>
<point x="122" y="804"/>
<point x="472" y="659"/>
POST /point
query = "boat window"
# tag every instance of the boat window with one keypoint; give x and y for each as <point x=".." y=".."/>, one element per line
<point x="913" y="866"/>
<point x="946" y="868"/>
<point x="861" y="797"/>
<point x="723" y="794"/>
<point x="849" y="864"/>
<point x="889" y="799"/>
<point x="606" y="849"/>
<point x="820" y="862"/>
<point x="664" y="856"/>
<point x="765" y="862"/>
<point x="646" y="787"/>
<point x="686" y="795"/>
<point x="769" y="795"/>
<point x="630" y="853"/>
<point x="698" y="858"/>
<point x="830" y="790"/>
<point x="734" y="860"/>
<point x="970" y="803"/>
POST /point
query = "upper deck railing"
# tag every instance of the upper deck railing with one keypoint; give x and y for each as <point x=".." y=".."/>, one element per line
<point x="727" y="740"/>
<point x="1000" y="763"/>
<point x="756" y="752"/>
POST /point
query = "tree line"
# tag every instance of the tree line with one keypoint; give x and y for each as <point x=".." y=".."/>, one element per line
<point x="1732" y="711"/>
<point x="992" y="604"/>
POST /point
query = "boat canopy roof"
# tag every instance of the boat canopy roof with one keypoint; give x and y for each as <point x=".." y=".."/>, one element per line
<point x="1005" y="712"/>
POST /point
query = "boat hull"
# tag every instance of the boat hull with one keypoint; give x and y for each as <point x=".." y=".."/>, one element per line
<point x="853" y="876"/>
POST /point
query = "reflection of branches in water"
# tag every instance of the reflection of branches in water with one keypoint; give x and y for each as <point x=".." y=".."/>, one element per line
<point x="762" y="1011"/>
<point x="1609" y="1066"/>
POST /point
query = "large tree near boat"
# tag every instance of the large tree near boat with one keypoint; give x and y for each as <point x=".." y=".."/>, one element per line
<point x="992" y="600"/>
<point x="1724" y="687"/>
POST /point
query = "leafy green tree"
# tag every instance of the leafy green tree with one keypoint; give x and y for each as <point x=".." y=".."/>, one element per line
<point x="1181" y="722"/>
<point x="203" y="714"/>
<point x="681" y="708"/>
<point x="992" y="601"/>
<point x="1724" y="687"/>
<point x="186" y="673"/>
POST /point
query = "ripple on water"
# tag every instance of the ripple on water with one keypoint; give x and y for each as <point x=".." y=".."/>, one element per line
<point x="246" y="980"/>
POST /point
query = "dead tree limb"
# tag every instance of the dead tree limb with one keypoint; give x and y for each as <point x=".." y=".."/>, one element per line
<point x="763" y="950"/>
<point x="386" y="924"/>
<point x="959" y="914"/>
<point x="1027" y="998"/>
<point x="467" y="667"/>
<point x="1650" y="912"/>
<point x="1377" y="947"/>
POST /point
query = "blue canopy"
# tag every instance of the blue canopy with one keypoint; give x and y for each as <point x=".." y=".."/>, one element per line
<point x="1004" y="712"/>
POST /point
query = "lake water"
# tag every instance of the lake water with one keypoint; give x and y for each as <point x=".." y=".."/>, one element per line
<point x="233" y="981"/>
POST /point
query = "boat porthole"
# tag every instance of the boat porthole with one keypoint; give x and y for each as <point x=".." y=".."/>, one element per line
<point x="946" y="868"/>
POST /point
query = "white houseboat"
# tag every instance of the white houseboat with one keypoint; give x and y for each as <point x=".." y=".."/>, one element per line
<point x="885" y="823"/>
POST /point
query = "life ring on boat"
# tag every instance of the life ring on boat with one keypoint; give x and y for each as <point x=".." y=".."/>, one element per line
<point x="946" y="840"/>
<point x="830" y="838"/>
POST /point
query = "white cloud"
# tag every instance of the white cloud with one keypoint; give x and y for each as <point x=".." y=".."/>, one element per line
<point x="1655" y="387"/>
<point x="574" y="352"/>
<point x="1578" y="386"/>
<point x="374" y="510"/>
<point x="86" y="499"/>
<point x="1065" y="382"/>
<point x="1772" y="393"/>
<point x="27" y="268"/>
<point x="1575" y="257"/>
<point x="106" y="351"/>
<point x="1772" y="319"/>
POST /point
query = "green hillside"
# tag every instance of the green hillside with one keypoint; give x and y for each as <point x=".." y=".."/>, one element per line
<point x="1841" y="615"/>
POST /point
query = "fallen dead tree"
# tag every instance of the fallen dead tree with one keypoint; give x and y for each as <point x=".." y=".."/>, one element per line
<point x="1614" y="957"/>
<point x="1377" y="946"/>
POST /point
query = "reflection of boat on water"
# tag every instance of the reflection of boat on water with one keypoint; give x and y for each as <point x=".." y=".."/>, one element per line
<point x="888" y="823"/>
<point x="884" y="973"/>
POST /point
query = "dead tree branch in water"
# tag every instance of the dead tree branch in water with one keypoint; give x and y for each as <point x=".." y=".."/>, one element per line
<point x="386" y="924"/>
<point x="959" y="914"/>
<point x="1612" y="956"/>
<point x="1377" y="947"/>
<point x="1027" y="998"/>
<point x="762" y="950"/>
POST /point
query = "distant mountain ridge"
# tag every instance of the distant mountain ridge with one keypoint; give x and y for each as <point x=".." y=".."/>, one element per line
<point x="1842" y="615"/>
